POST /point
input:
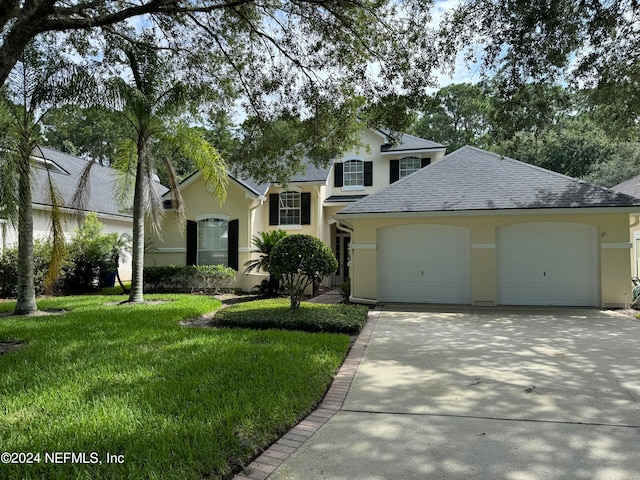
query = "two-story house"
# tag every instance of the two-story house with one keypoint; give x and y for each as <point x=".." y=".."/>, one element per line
<point x="222" y="234"/>
<point x="409" y="224"/>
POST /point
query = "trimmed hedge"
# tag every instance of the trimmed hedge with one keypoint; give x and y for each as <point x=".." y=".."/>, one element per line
<point x="188" y="278"/>
<point x="310" y="317"/>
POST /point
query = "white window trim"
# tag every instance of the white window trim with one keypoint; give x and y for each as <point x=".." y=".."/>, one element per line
<point x="215" y="216"/>
<point x="344" y="173"/>
<point x="405" y="158"/>
<point x="200" y="218"/>
<point x="290" y="226"/>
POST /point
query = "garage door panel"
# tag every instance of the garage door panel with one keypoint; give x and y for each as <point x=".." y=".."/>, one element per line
<point x="546" y="263"/>
<point x="423" y="263"/>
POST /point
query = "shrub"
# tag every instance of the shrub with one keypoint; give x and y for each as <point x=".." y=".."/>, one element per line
<point x="188" y="278"/>
<point x="299" y="260"/>
<point x="345" y="288"/>
<point x="9" y="268"/>
<point x="310" y="317"/>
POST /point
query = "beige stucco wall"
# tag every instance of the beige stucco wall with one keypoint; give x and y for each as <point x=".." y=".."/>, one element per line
<point x="170" y="247"/>
<point x="381" y="162"/>
<point x="613" y="233"/>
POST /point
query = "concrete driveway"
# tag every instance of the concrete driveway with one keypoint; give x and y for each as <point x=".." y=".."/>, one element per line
<point x="463" y="393"/>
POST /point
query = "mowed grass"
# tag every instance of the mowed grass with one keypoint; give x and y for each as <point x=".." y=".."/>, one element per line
<point x="311" y="317"/>
<point x="174" y="402"/>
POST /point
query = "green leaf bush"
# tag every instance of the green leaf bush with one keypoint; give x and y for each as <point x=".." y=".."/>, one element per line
<point x="309" y="317"/>
<point x="188" y="278"/>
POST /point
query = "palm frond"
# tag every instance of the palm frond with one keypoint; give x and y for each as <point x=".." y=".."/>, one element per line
<point x="83" y="191"/>
<point x="56" y="219"/>
<point x="125" y="161"/>
<point x="190" y="143"/>
<point x="174" y="185"/>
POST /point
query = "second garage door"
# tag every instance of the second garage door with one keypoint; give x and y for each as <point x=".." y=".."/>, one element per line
<point x="424" y="264"/>
<point x="548" y="263"/>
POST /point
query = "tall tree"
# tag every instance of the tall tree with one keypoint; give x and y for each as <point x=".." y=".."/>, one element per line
<point x="595" y="44"/>
<point x="456" y="115"/>
<point x="296" y="61"/>
<point x="149" y="103"/>
<point x="39" y="80"/>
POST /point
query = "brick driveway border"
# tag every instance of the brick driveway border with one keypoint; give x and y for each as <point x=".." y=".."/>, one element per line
<point x="262" y="466"/>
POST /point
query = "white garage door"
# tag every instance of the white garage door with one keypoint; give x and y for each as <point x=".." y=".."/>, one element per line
<point x="424" y="264"/>
<point x="548" y="264"/>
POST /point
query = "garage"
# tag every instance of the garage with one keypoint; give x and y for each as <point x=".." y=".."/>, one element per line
<point x="424" y="264"/>
<point x="548" y="263"/>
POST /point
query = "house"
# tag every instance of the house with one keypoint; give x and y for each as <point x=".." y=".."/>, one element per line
<point x="480" y="229"/>
<point x="65" y="171"/>
<point x="632" y="187"/>
<point x="216" y="233"/>
<point x="408" y="224"/>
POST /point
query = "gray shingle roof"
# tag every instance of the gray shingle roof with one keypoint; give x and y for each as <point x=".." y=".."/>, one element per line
<point x="473" y="179"/>
<point x="629" y="187"/>
<point x="410" y="142"/>
<point x="102" y="182"/>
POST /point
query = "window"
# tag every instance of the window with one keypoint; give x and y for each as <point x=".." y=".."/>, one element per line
<point x="408" y="165"/>
<point x="290" y="208"/>
<point x="353" y="173"/>
<point x="213" y="241"/>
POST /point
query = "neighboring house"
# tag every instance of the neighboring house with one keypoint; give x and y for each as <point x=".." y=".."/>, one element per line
<point x="480" y="229"/>
<point x="632" y="187"/>
<point x="216" y="233"/>
<point x="65" y="171"/>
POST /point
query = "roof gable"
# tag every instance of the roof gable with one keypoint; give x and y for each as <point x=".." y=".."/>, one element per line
<point x="472" y="179"/>
<point x="629" y="187"/>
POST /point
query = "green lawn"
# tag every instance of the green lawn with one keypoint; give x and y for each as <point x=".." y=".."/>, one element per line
<point x="174" y="402"/>
<point x="311" y="317"/>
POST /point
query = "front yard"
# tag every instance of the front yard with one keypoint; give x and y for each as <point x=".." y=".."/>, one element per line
<point x="106" y="391"/>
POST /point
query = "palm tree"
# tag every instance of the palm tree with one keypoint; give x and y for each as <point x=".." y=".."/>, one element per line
<point x="39" y="81"/>
<point x="264" y="243"/>
<point x="149" y="104"/>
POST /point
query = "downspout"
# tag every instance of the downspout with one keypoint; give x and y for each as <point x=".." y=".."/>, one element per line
<point x="252" y="210"/>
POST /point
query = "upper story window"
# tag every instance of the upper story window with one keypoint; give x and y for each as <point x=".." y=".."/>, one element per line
<point x="400" y="168"/>
<point x="213" y="241"/>
<point x="353" y="173"/>
<point x="289" y="208"/>
<point x="408" y="165"/>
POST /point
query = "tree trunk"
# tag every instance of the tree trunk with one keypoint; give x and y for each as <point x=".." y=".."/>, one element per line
<point x="137" y="262"/>
<point x="26" y="292"/>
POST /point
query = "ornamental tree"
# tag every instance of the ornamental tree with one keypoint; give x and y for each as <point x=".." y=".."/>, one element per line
<point x="298" y="260"/>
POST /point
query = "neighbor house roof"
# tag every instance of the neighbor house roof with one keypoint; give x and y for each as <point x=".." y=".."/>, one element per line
<point x="472" y="179"/>
<point x="66" y="170"/>
<point x="629" y="187"/>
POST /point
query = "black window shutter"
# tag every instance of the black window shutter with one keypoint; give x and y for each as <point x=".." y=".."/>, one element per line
<point x="368" y="174"/>
<point x="274" y="209"/>
<point x="192" y="242"/>
<point x="337" y="174"/>
<point x="425" y="162"/>
<point x="305" y="210"/>
<point x="394" y="171"/>
<point x="232" y="245"/>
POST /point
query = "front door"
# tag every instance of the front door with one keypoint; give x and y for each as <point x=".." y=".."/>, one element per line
<point x="342" y="241"/>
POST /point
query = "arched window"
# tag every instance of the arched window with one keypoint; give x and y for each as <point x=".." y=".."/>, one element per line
<point x="408" y="165"/>
<point x="353" y="173"/>
<point x="213" y="241"/>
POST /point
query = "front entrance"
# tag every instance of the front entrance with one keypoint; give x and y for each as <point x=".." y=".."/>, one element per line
<point x="342" y="240"/>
